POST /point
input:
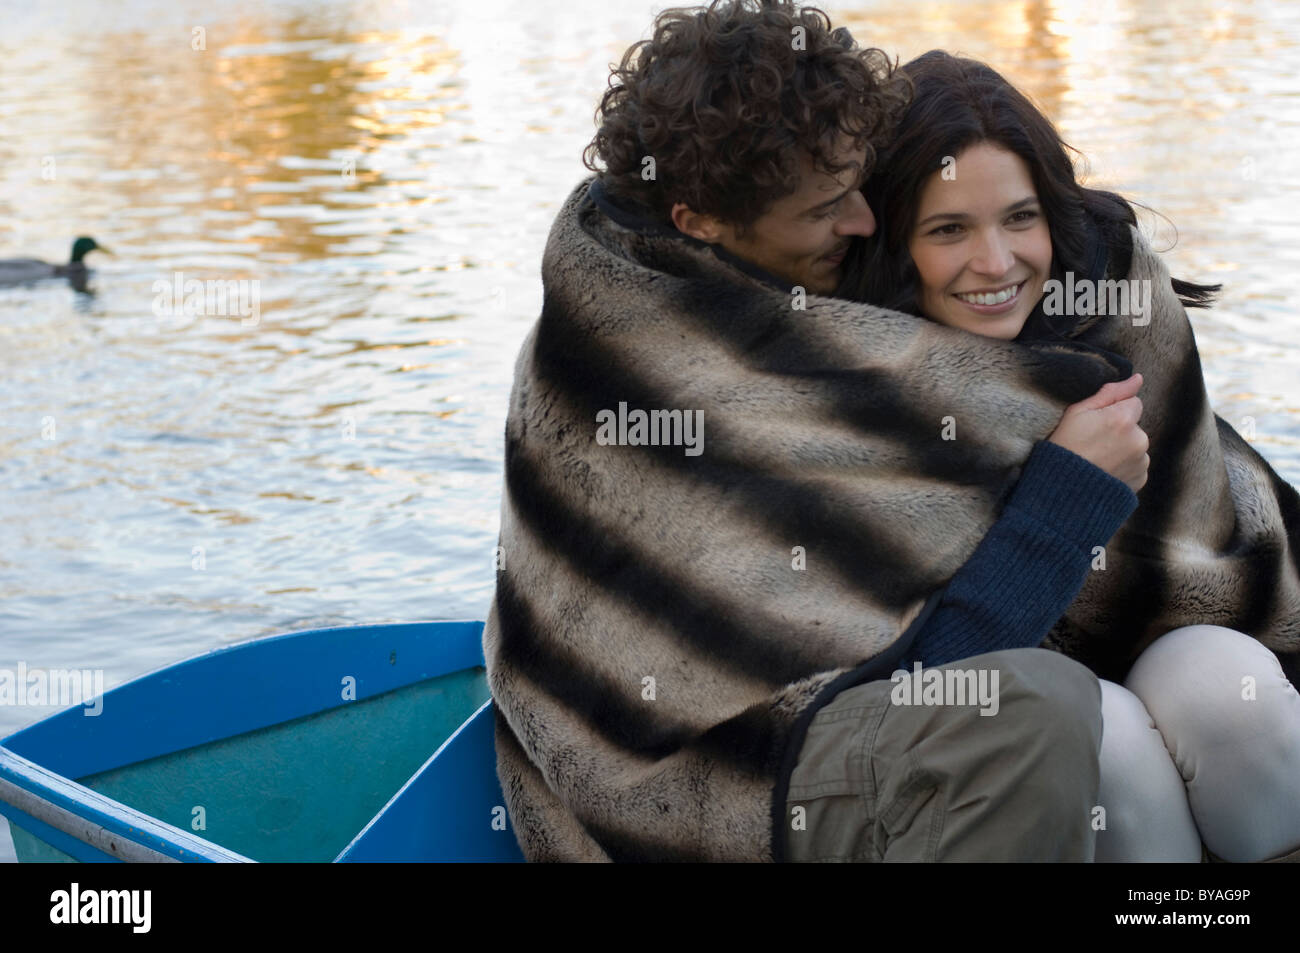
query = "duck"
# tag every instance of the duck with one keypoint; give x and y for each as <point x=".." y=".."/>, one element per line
<point x="15" y="271"/>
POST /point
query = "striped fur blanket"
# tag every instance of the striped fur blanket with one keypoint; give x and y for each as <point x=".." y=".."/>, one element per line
<point x="678" y="592"/>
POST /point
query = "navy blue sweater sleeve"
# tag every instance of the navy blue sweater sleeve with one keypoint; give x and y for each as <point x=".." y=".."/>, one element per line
<point x="1031" y="564"/>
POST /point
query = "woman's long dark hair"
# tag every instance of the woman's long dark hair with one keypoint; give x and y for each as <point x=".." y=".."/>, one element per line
<point x="959" y="103"/>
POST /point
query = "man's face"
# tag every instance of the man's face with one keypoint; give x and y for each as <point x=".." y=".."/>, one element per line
<point x="803" y="237"/>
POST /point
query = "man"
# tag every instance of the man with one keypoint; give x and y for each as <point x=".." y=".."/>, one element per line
<point x="690" y="653"/>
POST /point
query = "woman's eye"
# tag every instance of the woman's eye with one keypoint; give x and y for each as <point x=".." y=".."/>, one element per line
<point x="950" y="229"/>
<point x="1025" y="215"/>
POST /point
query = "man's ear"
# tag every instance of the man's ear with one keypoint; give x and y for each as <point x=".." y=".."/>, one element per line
<point x="704" y="227"/>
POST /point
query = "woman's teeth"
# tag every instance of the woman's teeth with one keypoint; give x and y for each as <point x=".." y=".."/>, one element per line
<point x="1006" y="294"/>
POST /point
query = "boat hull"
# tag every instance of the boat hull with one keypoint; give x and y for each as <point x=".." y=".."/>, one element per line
<point x="354" y="743"/>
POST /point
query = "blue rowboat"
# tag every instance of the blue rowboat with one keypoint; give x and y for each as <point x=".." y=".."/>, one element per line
<point x="358" y="743"/>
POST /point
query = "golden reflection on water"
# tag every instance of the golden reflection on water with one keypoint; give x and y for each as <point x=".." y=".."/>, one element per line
<point x="279" y="127"/>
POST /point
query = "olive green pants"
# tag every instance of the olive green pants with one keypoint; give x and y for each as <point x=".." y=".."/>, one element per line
<point x="987" y="758"/>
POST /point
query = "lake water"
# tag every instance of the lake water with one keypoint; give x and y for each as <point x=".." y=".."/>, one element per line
<point x="387" y="173"/>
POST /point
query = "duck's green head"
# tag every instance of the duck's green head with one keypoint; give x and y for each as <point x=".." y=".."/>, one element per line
<point x="83" y="245"/>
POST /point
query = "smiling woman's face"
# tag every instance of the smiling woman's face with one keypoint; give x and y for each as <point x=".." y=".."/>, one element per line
<point x="981" y="244"/>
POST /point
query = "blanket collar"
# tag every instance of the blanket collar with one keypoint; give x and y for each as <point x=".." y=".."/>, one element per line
<point x="634" y="221"/>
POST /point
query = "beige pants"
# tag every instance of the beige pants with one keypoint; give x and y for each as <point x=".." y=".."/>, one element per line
<point x="996" y="762"/>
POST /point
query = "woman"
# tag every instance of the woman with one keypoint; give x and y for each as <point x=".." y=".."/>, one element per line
<point x="979" y="209"/>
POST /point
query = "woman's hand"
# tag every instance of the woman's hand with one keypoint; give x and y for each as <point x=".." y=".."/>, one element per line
<point x="1104" y="431"/>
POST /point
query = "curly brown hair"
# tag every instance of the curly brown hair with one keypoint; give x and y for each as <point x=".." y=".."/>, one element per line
<point x="726" y="98"/>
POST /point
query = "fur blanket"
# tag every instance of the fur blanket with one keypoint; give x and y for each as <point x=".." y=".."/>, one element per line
<point x="678" y="593"/>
